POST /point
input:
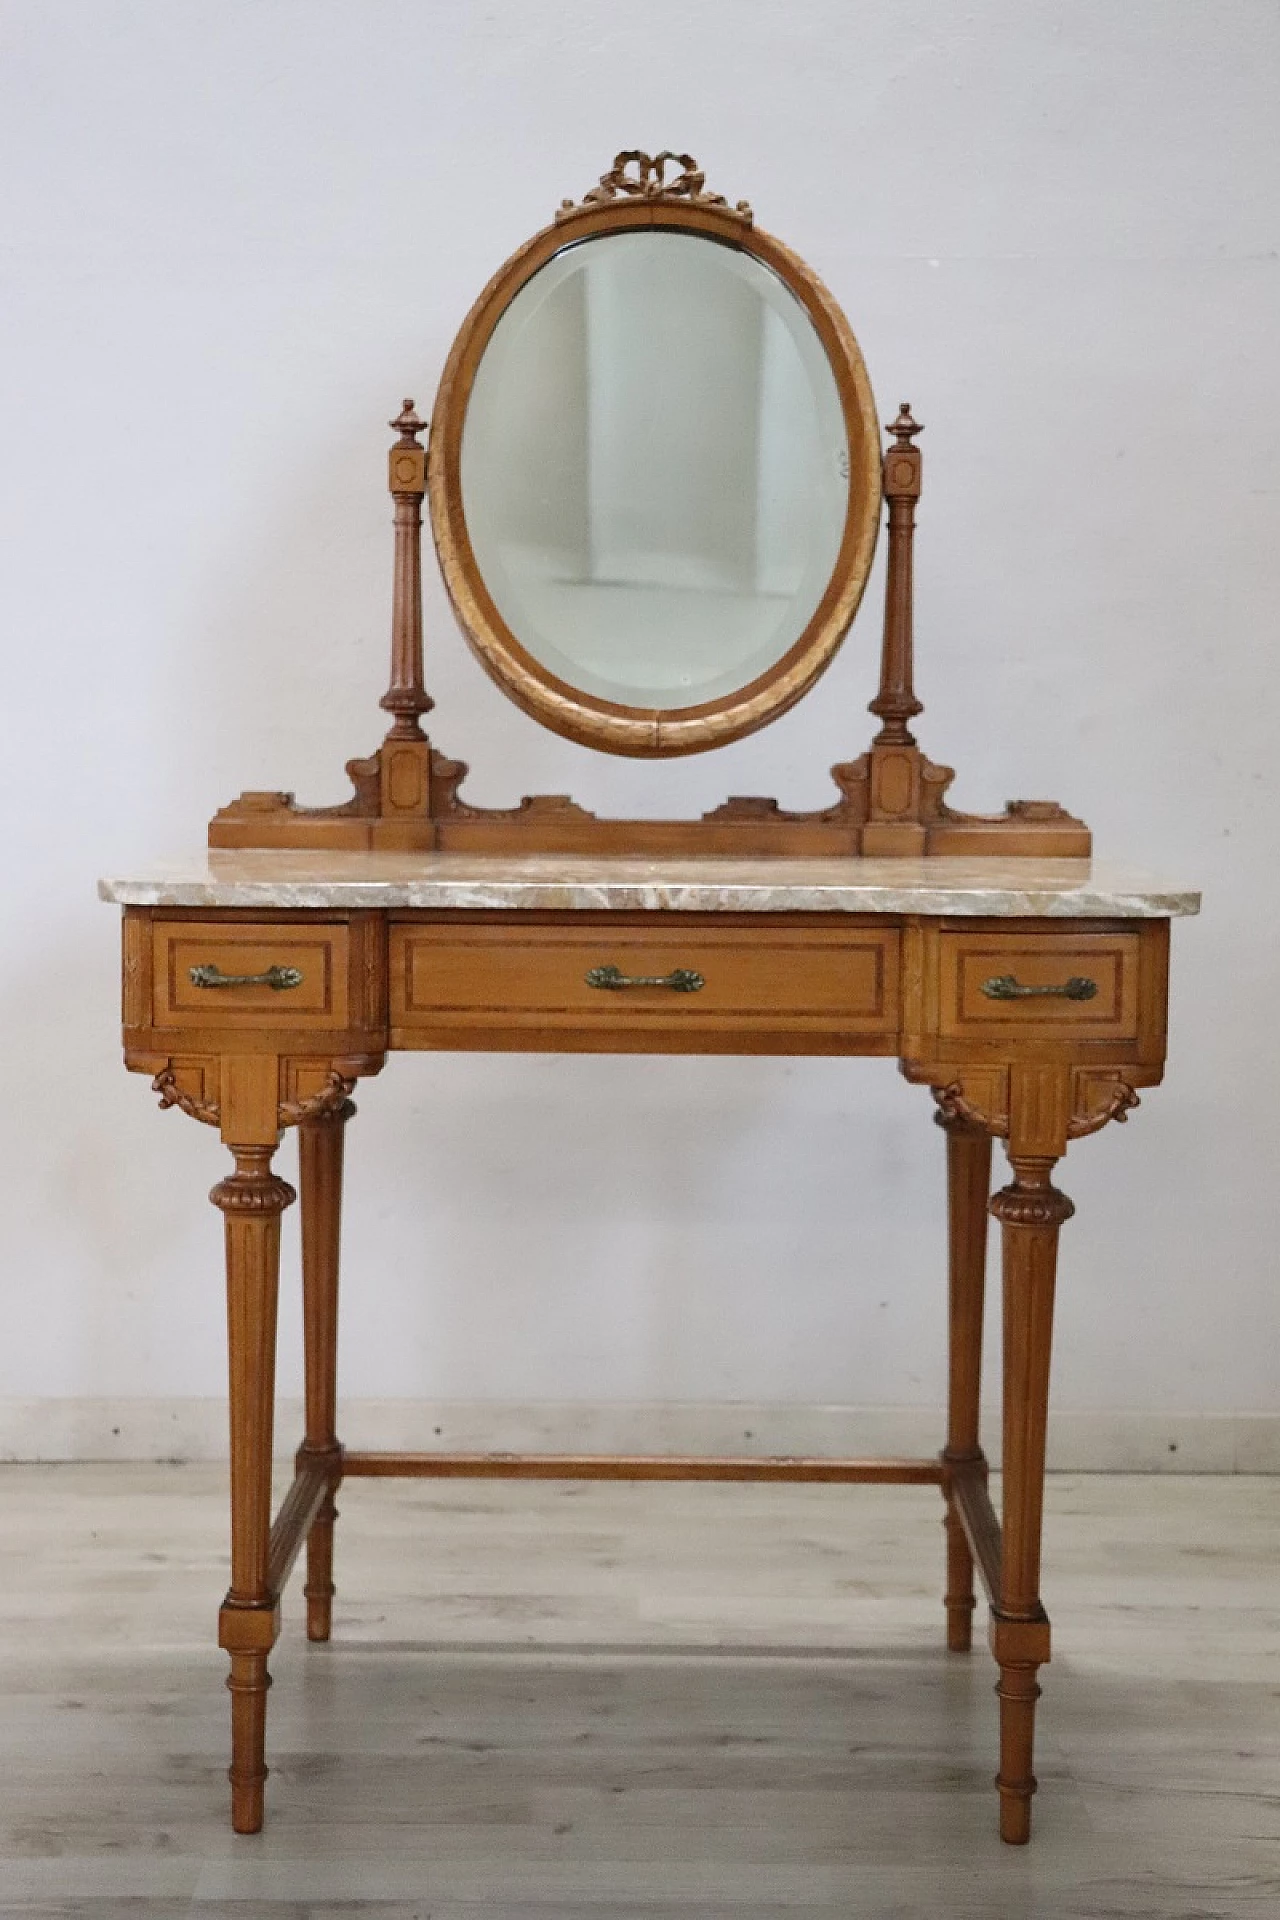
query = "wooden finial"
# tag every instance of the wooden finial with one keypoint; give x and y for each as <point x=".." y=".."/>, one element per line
<point x="407" y="425"/>
<point x="904" y="429"/>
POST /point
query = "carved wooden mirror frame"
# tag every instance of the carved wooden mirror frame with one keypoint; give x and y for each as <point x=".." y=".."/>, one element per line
<point x="891" y="799"/>
<point x="590" y="720"/>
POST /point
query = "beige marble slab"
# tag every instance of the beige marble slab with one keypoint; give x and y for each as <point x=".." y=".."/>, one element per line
<point x="1059" y="889"/>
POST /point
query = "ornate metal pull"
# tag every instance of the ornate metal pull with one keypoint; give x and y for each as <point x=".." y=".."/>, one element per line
<point x="1005" y="987"/>
<point x="278" y="977"/>
<point x="680" y="980"/>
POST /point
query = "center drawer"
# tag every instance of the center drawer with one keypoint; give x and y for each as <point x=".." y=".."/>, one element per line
<point x="678" y="982"/>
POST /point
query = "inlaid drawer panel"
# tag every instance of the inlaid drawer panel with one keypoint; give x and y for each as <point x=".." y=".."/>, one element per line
<point x="1085" y="984"/>
<point x="250" y="975"/>
<point x="674" y="975"/>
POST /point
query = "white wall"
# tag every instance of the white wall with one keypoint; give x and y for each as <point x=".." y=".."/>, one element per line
<point x="231" y="238"/>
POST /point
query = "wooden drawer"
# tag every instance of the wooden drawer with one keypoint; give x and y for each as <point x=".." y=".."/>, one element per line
<point x="507" y="984"/>
<point x="318" y="952"/>
<point x="978" y="970"/>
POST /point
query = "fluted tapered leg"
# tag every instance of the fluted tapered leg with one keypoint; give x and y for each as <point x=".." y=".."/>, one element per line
<point x="320" y="1154"/>
<point x="968" y="1188"/>
<point x="1030" y="1211"/>
<point x="252" y="1200"/>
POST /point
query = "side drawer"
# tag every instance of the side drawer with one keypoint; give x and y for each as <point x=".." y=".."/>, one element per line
<point x="1082" y="984"/>
<point x="750" y="980"/>
<point x="311" y="961"/>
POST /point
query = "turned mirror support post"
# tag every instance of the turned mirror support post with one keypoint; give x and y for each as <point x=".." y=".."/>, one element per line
<point x="898" y="804"/>
<point x="405" y="758"/>
<point x="896" y="702"/>
<point x="406" y="697"/>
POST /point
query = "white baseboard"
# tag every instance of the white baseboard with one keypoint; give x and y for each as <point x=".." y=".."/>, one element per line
<point x="195" y="1429"/>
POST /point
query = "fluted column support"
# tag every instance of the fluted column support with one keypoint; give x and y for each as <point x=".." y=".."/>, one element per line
<point x="1031" y="1210"/>
<point x="251" y="1200"/>
<point x="320" y="1156"/>
<point x="968" y="1189"/>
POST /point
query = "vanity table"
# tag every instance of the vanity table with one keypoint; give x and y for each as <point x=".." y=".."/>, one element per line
<point x="656" y="483"/>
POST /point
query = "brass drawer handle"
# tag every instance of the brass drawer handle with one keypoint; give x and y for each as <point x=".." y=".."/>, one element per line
<point x="277" y="977"/>
<point x="1005" y="987"/>
<point x="680" y="980"/>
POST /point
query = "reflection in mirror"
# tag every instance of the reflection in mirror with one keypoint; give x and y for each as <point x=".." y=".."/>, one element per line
<point x="655" y="468"/>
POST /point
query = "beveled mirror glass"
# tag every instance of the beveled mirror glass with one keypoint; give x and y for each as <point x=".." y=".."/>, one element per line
<point x="655" y="468"/>
<point x="655" y="477"/>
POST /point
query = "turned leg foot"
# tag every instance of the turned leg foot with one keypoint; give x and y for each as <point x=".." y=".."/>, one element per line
<point x="959" y="1598"/>
<point x="1017" y="1691"/>
<point x="248" y="1681"/>
<point x="319" y="1588"/>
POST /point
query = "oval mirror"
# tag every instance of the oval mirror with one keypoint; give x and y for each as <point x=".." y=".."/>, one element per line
<point x="655" y="477"/>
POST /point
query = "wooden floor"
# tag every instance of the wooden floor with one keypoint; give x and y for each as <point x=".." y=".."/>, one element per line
<point x="548" y="1700"/>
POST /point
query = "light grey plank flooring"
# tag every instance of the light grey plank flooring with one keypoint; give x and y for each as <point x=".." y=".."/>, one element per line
<point x="637" y="1700"/>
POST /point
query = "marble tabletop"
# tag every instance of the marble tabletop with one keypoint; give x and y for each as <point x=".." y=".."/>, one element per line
<point x="279" y="878"/>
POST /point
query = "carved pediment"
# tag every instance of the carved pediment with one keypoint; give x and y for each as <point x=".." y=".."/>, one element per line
<point x="656" y="177"/>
